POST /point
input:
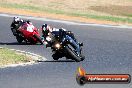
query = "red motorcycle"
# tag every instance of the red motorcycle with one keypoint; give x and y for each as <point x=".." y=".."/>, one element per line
<point x="29" y="34"/>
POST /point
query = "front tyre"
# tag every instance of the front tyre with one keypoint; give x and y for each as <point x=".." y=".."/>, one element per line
<point x="81" y="55"/>
<point x="19" y="39"/>
<point x="82" y="58"/>
<point x="72" y="54"/>
<point x="55" y="56"/>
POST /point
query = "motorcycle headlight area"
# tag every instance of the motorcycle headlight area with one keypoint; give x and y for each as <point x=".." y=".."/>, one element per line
<point x="57" y="45"/>
<point x="48" y="38"/>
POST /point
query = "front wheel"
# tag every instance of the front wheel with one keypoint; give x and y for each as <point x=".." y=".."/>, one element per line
<point x="38" y="38"/>
<point x="82" y="57"/>
<point x="19" y="39"/>
<point x="55" y="56"/>
<point x="72" y="54"/>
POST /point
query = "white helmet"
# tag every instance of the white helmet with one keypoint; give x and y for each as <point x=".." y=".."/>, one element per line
<point x="16" y="19"/>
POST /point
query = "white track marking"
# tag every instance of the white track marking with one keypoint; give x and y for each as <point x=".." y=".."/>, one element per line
<point x="67" y="22"/>
<point x="36" y="58"/>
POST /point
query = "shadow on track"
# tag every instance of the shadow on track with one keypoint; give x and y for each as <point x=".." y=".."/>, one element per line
<point x="58" y="61"/>
<point x="16" y="43"/>
<point x="12" y="43"/>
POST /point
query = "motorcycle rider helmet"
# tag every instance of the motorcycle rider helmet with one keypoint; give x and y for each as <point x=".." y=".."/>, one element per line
<point x="16" y="19"/>
<point x="29" y="22"/>
<point x="46" y="27"/>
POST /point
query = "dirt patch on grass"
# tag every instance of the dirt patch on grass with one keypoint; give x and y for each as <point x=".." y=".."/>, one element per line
<point x="71" y="5"/>
<point x="114" y="10"/>
<point x="74" y="10"/>
<point x="56" y="16"/>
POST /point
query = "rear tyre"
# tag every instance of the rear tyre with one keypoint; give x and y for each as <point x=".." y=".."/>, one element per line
<point x="38" y="38"/>
<point x="72" y="54"/>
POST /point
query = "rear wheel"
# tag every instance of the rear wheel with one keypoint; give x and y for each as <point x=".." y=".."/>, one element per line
<point x="38" y="38"/>
<point x="72" y="54"/>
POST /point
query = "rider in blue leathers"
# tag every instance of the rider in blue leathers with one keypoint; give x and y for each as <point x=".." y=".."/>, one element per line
<point x="47" y="30"/>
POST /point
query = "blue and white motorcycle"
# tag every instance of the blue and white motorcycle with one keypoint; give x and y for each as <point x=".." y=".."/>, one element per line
<point x="64" y="45"/>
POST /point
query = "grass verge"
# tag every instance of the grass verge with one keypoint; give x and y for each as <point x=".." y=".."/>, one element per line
<point x="8" y="57"/>
<point x="41" y="9"/>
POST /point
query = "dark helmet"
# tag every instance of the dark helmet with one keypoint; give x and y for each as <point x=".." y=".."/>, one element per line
<point x="46" y="27"/>
<point x="29" y="22"/>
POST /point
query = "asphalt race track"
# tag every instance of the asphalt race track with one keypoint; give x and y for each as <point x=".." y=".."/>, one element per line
<point x="107" y="49"/>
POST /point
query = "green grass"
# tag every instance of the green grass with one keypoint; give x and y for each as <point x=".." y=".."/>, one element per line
<point x="11" y="57"/>
<point x="41" y="9"/>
